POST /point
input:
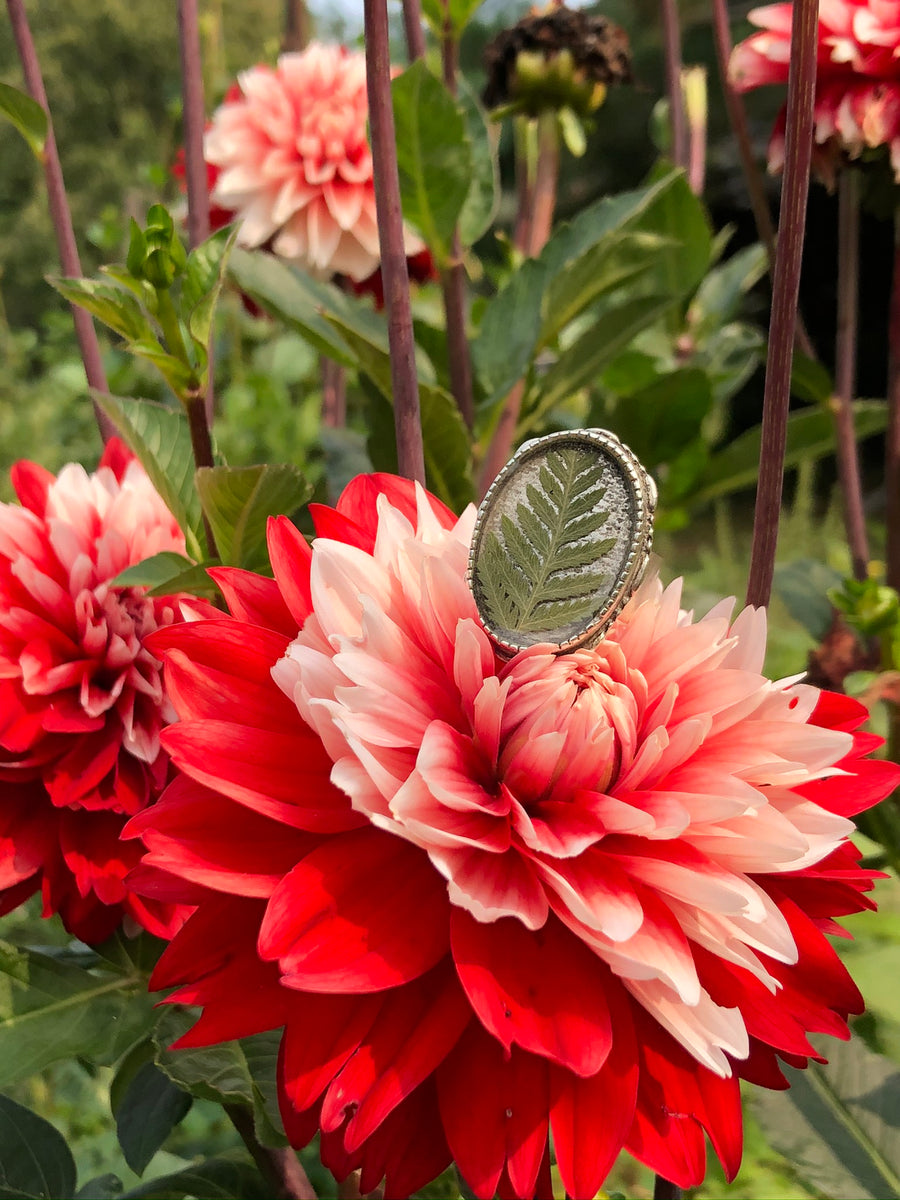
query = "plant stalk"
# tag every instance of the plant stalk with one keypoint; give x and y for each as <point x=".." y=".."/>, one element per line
<point x="892" y="449"/>
<point x="194" y="120"/>
<point x="60" y="213"/>
<point x="672" y="47"/>
<point x="753" y="179"/>
<point x="296" y="26"/>
<point x="279" y="1166"/>
<point x="453" y="274"/>
<point x="404" y="379"/>
<point x="664" y="1189"/>
<point x="334" y="394"/>
<point x="534" y="224"/>
<point x="845" y="370"/>
<point x="785" y="291"/>
<point x="412" y="24"/>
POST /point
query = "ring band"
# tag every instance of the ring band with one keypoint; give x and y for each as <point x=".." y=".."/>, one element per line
<point x="561" y="541"/>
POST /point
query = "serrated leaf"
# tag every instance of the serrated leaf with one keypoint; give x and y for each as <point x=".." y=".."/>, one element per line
<point x="240" y="1072"/>
<point x="168" y="573"/>
<point x="581" y="363"/>
<point x="238" y="502"/>
<point x="27" y="116"/>
<point x="802" y="586"/>
<point x="838" y="1124"/>
<point x="115" y="306"/>
<point x="483" y="199"/>
<point x="434" y="156"/>
<point x="534" y="574"/>
<point x="160" y="439"/>
<point x="147" y="1113"/>
<point x="718" y="298"/>
<point x="201" y="285"/>
<point x="810" y="435"/>
<point x="178" y="375"/>
<point x="34" y="1158"/>
<point x="50" y="1010"/>
<point x="215" y="1179"/>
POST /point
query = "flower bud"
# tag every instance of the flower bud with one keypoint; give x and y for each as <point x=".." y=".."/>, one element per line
<point x="156" y="253"/>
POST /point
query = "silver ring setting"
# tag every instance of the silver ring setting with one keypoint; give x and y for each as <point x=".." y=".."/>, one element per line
<point x="561" y="541"/>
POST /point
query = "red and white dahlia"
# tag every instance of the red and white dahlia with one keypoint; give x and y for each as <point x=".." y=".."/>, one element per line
<point x="81" y="697"/>
<point x="291" y="157"/>
<point x="857" y="103"/>
<point x="486" y="898"/>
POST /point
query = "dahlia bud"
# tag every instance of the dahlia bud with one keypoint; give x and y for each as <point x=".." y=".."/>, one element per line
<point x="556" y="60"/>
<point x="156" y="253"/>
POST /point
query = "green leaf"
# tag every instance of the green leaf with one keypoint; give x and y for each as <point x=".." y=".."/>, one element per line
<point x="214" y="1179"/>
<point x="483" y="199"/>
<point x="448" y="454"/>
<point x="658" y="421"/>
<point x="839" y="1123"/>
<point x="238" y="502"/>
<point x="148" y="1112"/>
<point x="434" y="156"/>
<point x="202" y="284"/>
<point x="114" y="306"/>
<point x="459" y="12"/>
<point x="34" y="1158"/>
<point x="50" y="1010"/>
<point x="167" y="573"/>
<point x="810" y="435"/>
<point x="101" y="1187"/>
<point x="801" y="586"/>
<point x="294" y="298"/>
<point x="810" y="380"/>
<point x="718" y="298"/>
<point x="679" y="216"/>
<point x="579" y="366"/>
<point x="27" y="116"/>
<point x="160" y="438"/>
<point x="541" y="572"/>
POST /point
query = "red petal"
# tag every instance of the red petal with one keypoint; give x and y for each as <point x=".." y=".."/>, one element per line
<point x="283" y="776"/>
<point x="835" y="711"/>
<point x="200" y="948"/>
<point x="408" y="1149"/>
<point x="359" y="498"/>
<point x="290" y="554"/>
<point x="591" y="1118"/>
<point x="495" y="1112"/>
<point x="364" y="912"/>
<point x="254" y="599"/>
<point x="542" y="990"/>
<point x="320" y="1034"/>
<point x="30" y="482"/>
<point x="416" y="1028"/>
<point x="871" y="780"/>
<point x="117" y="457"/>
<point x="331" y="524"/>
<point x="244" y="998"/>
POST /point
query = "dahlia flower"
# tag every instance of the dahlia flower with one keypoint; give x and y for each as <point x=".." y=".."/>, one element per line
<point x="857" y="102"/>
<point x="81" y="697"/>
<point x="489" y="898"/>
<point x="292" y="161"/>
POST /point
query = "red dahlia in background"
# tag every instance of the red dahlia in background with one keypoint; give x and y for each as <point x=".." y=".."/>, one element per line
<point x="487" y="900"/>
<point x="81" y="697"/>
<point x="857" y="103"/>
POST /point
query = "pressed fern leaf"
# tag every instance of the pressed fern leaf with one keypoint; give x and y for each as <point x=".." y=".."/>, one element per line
<point x="539" y="572"/>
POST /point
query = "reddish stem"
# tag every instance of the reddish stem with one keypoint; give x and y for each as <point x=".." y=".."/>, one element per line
<point x="279" y="1166"/>
<point x="892" y="449"/>
<point x="59" y="211"/>
<point x="394" y="272"/>
<point x="672" y="44"/>
<point x="334" y="394"/>
<point x="296" y="26"/>
<point x="415" y="34"/>
<point x="753" y="179"/>
<point x="845" y="369"/>
<point x="785" y="291"/>
<point x="664" y="1189"/>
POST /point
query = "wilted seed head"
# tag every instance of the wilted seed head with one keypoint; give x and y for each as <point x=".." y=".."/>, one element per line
<point x="557" y="59"/>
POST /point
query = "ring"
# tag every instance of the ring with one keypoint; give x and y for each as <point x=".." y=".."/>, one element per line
<point x="561" y="541"/>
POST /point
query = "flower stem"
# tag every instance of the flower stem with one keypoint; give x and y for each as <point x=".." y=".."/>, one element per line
<point x="672" y="44"/>
<point x="194" y="120"/>
<point x="412" y="24"/>
<point x="453" y="275"/>
<point x="785" y="291"/>
<point x="59" y="211"/>
<point x="279" y="1166"/>
<point x="845" y="369"/>
<point x="404" y="380"/>
<point x="663" y="1189"/>
<point x="753" y="180"/>
<point x="296" y="26"/>
<point x="334" y="394"/>
<point x="892" y="450"/>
